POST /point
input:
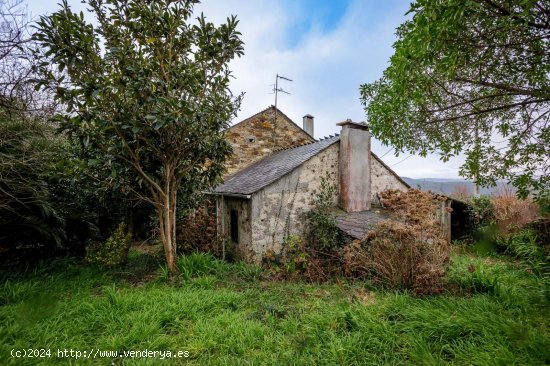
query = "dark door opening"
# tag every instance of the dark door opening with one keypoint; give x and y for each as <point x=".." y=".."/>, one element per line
<point x="234" y="225"/>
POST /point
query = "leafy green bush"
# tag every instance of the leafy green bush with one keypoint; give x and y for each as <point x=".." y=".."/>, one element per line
<point x="29" y="218"/>
<point x="323" y="233"/>
<point x="295" y="255"/>
<point x="482" y="211"/>
<point x="114" y="251"/>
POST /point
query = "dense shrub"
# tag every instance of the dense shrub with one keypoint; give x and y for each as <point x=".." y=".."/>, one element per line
<point x="50" y="200"/>
<point x="113" y="252"/>
<point x="323" y="233"/>
<point x="409" y="252"/>
<point x="525" y="246"/>
<point x="500" y="214"/>
<point x="197" y="232"/>
<point x="482" y="211"/>
<point x="29" y="217"/>
<point x="302" y="260"/>
<point x="315" y="258"/>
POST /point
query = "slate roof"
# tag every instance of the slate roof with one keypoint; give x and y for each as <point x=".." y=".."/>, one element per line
<point x="266" y="171"/>
<point x="358" y="224"/>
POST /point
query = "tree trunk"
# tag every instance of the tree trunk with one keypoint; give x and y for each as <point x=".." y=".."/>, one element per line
<point x="166" y="212"/>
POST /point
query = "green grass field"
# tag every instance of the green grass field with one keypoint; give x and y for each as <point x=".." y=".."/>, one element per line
<point x="228" y="314"/>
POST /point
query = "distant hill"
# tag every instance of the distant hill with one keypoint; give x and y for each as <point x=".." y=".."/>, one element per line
<point x="449" y="186"/>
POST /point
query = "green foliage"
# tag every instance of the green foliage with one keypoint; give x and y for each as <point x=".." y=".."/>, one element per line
<point x="199" y="264"/>
<point x="114" y="251"/>
<point x="14" y="292"/>
<point x="525" y="245"/>
<point x="235" y="322"/>
<point x="28" y="150"/>
<point x="146" y="90"/>
<point x="476" y="280"/>
<point x="323" y="233"/>
<point x="481" y="211"/>
<point x="295" y="257"/>
<point x="324" y="199"/>
<point x="472" y="78"/>
<point x="249" y="272"/>
<point x="41" y="213"/>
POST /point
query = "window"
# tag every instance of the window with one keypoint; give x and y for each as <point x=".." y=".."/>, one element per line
<point x="234" y="225"/>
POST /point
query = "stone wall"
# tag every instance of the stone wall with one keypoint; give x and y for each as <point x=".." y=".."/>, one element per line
<point x="242" y="206"/>
<point x="253" y="138"/>
<point x="279" y="209"/>
<point x="383" y="179"/>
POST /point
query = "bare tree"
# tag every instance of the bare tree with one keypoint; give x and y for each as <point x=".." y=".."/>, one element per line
<point x="17" y="63"/>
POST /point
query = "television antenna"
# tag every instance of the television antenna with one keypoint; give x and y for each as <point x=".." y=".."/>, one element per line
<point x="276" y="90"/>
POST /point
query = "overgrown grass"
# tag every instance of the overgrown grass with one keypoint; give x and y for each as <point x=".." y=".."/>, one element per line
<point x="229" y="314"/>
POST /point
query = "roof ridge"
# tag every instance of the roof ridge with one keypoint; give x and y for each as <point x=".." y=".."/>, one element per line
<point x="278" y="111"/>
<point x="271" y="168"/>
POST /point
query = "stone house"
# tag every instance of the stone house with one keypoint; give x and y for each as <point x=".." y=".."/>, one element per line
<point x="262" y="134"/>
<point x="276" y="172"/>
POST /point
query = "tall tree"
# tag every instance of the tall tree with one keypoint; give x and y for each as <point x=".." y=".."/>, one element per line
<point x="149" y="88"/>
<point x="472" y="77"/>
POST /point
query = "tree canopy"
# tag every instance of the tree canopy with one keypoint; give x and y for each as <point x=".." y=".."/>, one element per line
<point x="148" y="88"/>
<point x="472" y="77"/>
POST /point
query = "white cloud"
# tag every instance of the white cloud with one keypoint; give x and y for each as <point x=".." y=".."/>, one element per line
<point x="327" y="67"/>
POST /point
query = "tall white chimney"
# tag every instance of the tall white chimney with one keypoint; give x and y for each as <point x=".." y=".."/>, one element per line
<point x="354" y="167"/>
<point x="308" y="124"/>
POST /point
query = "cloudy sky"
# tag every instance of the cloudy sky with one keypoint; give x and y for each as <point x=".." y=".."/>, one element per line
<point x="327" y="47"/>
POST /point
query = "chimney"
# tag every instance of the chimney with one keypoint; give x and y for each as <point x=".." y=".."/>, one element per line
<point x="354" y="166"/>
<point x="308" y="124"/>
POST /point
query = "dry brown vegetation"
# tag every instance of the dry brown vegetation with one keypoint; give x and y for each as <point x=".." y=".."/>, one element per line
<point x="197" y="232"/>
<point x="461" y="192"/>
<point x="410" y="252"/>
<point x="510" y="213"/>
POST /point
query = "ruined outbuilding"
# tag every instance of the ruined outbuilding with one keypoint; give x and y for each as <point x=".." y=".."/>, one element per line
<point x="276" y="172"/>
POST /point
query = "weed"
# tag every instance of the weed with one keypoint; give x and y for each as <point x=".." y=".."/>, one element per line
<point x="199" y="264"/>
<point x="222" y="318"/>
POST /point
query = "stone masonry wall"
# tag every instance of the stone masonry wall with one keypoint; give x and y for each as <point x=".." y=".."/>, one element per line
<point x="242" y="206"/>
<point x="382" y="179"/>
<point x="252" y="139"/>
<point x="278" y="210"/>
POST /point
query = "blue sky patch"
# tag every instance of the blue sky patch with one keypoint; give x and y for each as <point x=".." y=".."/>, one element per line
<point x="321" y="15"/>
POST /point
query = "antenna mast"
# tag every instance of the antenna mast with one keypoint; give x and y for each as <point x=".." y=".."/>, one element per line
<point x="276" y="90"/>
